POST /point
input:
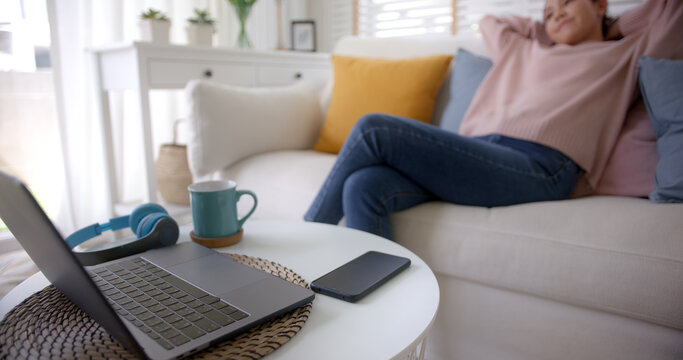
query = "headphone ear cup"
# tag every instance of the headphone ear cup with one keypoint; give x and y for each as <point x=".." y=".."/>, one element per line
<point x="141" y="212"/>
<point x="147" y="224"/>
<point x="168" y="231"/>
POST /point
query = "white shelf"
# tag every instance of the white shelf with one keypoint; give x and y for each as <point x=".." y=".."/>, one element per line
<point x="142" y="67"/>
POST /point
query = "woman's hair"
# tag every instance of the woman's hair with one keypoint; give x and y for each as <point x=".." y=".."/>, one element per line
<point x="606" y="22"/>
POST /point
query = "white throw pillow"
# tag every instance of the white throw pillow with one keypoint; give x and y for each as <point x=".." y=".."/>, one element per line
<point x="230" y="123"/>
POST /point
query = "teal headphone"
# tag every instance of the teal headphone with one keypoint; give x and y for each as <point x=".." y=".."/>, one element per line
<point x="151" y="224"/>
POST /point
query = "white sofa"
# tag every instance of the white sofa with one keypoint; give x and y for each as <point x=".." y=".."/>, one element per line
<point x="599" y="277"/>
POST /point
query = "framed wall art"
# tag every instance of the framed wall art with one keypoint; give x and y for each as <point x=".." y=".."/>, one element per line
<point x="303" y="35"/>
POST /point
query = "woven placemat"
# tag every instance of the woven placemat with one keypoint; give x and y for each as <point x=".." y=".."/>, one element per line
<point x="49" y="325"/>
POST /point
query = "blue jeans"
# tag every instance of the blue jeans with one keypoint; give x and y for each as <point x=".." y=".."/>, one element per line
<point x="389" y="164"/>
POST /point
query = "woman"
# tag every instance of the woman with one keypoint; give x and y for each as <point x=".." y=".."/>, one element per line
<point x="548" y="112"/>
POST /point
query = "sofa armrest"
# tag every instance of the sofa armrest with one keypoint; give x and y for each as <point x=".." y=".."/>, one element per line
<point x="230" y="123"/>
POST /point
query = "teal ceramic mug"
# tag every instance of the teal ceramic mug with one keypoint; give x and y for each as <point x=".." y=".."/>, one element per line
<point x="214" y="208"/>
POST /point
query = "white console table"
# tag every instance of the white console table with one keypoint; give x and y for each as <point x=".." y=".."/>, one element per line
<point x="141" y="66"/>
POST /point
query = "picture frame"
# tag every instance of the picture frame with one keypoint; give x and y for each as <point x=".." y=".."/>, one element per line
<point x="303" y="35"/>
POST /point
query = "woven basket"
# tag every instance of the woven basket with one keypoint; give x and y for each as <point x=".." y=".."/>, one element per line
<point x="173" y="174"/>
<point x="173" y="170"/>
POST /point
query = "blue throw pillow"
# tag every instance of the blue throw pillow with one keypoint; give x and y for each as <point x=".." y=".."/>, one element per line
<point x="661" y="82"/>
<point x="468" y="72"/>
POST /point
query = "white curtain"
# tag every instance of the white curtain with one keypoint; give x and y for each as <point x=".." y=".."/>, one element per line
<point x="80" y="25"/>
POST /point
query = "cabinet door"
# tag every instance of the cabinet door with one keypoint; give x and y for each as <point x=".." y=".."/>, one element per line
<point x="175" y="74"/>
<point x="284" y="75"/>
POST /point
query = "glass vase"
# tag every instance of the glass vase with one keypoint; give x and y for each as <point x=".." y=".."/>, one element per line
<point x="243" y="11"/>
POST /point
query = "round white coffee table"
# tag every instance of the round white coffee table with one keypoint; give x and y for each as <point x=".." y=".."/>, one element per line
<point x="391" y="322"/>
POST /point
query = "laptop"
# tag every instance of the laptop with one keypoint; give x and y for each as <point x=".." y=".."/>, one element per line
<point x="164" y="303"/>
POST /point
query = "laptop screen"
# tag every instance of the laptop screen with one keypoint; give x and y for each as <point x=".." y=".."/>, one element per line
<point x="46" y="247"/>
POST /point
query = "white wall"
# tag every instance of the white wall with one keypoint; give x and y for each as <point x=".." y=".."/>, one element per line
<point x="316" y="11"/>
<point x="333" y="20"/>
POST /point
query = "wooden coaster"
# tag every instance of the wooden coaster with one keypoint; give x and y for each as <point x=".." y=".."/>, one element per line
<point x="218" y="242"/>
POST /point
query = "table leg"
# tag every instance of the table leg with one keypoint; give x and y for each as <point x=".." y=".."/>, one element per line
<point x="423" y="345"/>
<point x="148" y="146"/>
<point x="418" y="353"/>
<point x="104" y="114"/>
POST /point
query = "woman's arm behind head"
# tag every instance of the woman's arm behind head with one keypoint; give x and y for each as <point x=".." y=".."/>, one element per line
<point x="500" y="32"/>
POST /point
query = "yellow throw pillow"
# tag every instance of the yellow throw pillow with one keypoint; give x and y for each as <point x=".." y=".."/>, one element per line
<point x="403" y="87"/>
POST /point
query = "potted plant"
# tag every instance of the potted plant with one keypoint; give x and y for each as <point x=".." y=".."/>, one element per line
<point x="200" y="28"/>
<point x="154" y="26"/>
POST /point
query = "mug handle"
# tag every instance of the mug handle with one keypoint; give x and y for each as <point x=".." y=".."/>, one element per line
<point x="239" y="195"/>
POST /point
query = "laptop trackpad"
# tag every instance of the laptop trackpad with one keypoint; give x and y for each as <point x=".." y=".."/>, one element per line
<point x="217" y="274"/>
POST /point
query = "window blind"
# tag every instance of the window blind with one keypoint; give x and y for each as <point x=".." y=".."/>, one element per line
<point x="336" y="21"/>
<point x="386" y="18"/>
<point x="469" y="12"/>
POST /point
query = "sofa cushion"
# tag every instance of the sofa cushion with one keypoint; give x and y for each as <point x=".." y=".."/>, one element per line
<point x="406" y="47"/>
<point x="468" y="72"/>
<point x="243" y="121"/>
<point x="630" y="169"/>
<point x="615" y="254"/>
<point x="284" y="181"/>
<point x="403" y="87"/>
<point x="661" y="82"/>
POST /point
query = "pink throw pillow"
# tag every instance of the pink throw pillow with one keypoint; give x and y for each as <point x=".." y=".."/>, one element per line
<point x="630" y="169"/>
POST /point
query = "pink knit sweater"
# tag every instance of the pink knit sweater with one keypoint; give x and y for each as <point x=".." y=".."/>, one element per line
<point x="572" y="98"/>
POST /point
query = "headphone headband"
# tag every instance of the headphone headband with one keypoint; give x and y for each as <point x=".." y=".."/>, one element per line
<point x="150" y="222"/>
<point x="93" y="230"/>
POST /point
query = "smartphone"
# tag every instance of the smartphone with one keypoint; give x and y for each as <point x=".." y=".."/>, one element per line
<point x="360" y="276"/>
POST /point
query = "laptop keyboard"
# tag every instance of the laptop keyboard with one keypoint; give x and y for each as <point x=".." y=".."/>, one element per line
<point x="167" y="308"/>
